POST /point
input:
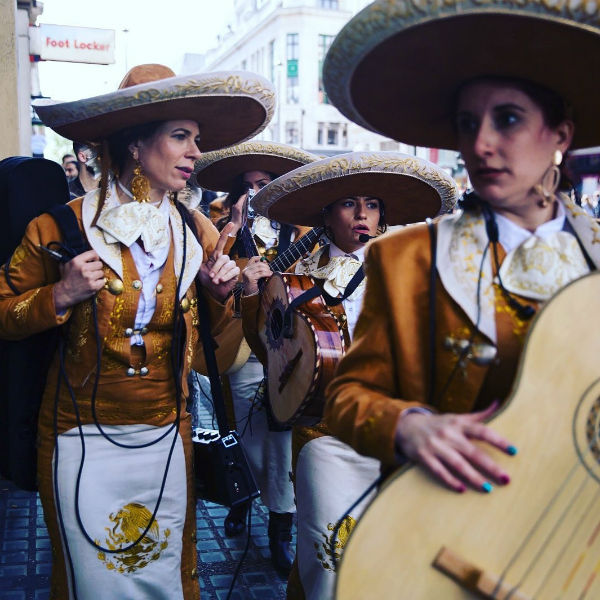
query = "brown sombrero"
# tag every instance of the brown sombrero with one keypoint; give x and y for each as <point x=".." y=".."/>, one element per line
<point x="396" y="67"/>
<point x="411" y="188"/>
<point x="229" y="107"/>
<point x="217" y="170"/>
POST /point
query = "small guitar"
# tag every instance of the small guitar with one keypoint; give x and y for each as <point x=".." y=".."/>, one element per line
<point x="537" y="537"/>
<point x="232" y="350"/>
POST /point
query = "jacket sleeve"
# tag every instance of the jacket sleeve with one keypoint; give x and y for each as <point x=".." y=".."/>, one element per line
<point x="31" y="308"/>
<point x="363" y="400"/>
<point x="250" y="311"/>
<point x="219" y="313"/>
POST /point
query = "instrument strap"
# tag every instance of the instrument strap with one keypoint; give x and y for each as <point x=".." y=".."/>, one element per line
<point x="432" y="282"/>
<point x="313" y="293"/>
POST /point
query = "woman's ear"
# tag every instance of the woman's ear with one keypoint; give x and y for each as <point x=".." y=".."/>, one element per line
<point x="134" y="149"/>
<point x="565" y="133"/>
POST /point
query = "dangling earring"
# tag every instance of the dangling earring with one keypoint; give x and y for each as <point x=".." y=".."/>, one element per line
<point x="140" y="185"/>
<point x="550" y="180"/>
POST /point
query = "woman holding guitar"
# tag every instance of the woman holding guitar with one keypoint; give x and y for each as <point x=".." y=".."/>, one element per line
<point x="354" y="196"/>
<point x="502" y="86"/>
<point x="241" y="171"/>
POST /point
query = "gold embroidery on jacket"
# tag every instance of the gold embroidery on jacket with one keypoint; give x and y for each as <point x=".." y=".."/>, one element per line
<point x="22" y="308"/>
<point x="129" y="523"/>
<point x="324" y="548"/>
<point x="79" y="331"/>
<point x="18" y="256"/>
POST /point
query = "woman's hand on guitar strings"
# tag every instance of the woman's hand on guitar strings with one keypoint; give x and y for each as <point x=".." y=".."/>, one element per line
<point x="255" y="270"/>
<point x="443" y="444"/>
<point x="219" y="273"/>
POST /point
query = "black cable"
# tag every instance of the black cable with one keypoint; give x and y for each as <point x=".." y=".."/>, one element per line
<point x="340" y="522"/>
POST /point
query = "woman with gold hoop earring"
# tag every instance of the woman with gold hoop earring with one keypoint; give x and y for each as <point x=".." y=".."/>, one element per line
<point x="115" y="449"/>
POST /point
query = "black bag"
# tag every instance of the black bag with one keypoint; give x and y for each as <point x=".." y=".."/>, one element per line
<point x="28" y="188"/>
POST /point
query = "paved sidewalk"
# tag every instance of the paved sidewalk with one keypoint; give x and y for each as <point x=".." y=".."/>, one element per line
<point x="25" y="558"/>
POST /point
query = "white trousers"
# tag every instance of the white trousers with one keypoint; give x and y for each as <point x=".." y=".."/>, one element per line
<point x="269" y="452"/>
<point x="330" y="477"/>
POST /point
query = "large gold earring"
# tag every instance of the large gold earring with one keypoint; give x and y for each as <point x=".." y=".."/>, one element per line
<point x="140" y="185"/>
<point x="550" y="180"/>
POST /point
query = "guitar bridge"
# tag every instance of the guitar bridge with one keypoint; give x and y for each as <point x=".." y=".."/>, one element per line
<point x="475" y="579"/>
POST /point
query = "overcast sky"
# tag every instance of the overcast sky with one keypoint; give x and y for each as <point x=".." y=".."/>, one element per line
<point x="158" y="31"/>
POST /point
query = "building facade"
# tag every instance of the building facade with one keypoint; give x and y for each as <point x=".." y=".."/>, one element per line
<point x="286" y="41"/>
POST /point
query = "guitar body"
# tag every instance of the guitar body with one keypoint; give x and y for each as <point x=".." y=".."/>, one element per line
<point x="537" y="537"/>
<point x="299" y="367"/>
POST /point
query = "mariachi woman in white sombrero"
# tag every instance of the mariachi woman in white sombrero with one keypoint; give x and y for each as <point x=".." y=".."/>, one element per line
<point x="115" y="458"/>
<point x="237" y="170"/>
<point x="505" y="85"/>
<point x="354" y="196"/>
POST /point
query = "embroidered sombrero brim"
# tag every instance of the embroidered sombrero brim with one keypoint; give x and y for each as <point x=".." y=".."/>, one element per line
<point x="217" y="170"/>
<point x="411" y="188"/>
<point x="397" y="66"/>
<point x="229" y="107"/>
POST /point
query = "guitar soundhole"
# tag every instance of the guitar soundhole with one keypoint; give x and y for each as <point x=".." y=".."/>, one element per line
<point x="275" y="324"/>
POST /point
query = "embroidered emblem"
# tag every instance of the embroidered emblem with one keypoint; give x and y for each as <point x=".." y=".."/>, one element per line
<point x="324" y="549"/>
<point x="18" y="256"/>
<point x="129" y="522"/>
<point x="22" y="308"/>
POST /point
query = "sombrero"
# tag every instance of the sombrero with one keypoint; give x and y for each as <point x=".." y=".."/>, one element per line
<point x="411" y="188"/>
<point x="229" y="107"/>
<point x="396" y="67"/>
<point x="217" y="170"/>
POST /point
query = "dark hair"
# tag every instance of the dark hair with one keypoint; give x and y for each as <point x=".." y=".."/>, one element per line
<point x="73" y="162"/>
<point x="554" y="108"/>
<point x="118" y="143"/>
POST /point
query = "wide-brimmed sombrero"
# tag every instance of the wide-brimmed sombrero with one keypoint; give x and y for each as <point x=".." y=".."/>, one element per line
<point x="217" y="170"/>
<point x="411" y="188"/>
<point x="396" y="67"/>
<point x="229" y="107"/>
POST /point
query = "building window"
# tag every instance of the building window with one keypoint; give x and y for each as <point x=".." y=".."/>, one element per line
<point x="291" y="133"/>
<point x="333" y="134"/>
<point x="292" y="54"/>
<point x="330" y="4"/>
<point x="272" y="61"/>
<point x="320" y="134"/>
<point x="324" y="43"/>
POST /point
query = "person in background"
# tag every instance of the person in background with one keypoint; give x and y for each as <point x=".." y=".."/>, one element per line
<point x="71" y="168"/>
<point x="86" y="177"/>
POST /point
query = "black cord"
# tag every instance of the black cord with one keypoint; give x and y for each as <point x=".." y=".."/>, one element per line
<point x="340" y="522"/>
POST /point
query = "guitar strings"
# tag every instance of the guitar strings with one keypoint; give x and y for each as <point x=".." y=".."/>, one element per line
<point x="568" y="541"/>
<point x="543" y="515"/>
<point x="536" y="526"/>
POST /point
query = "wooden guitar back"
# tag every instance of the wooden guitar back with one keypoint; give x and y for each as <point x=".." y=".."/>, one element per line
<point x="299" y="367"/>
<point x="537" y="537"/>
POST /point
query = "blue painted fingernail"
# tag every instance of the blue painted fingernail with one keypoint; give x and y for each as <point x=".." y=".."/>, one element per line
<point x="512" y="450"/>
<point x="487" y="487"/>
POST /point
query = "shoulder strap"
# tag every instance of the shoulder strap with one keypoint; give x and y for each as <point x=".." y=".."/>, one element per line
<point x="73" y="241"/>
<point x="432" y="284"/>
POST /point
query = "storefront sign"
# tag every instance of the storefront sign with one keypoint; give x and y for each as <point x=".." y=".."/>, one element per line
<point x="73" y="44"/>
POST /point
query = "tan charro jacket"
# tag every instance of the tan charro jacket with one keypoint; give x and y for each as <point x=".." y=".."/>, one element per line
<point x="34" y="274"/>
<point x="387" y="369"/>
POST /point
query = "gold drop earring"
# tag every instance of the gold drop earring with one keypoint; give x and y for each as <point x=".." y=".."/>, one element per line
<point x="140" y="185"/>
<point x="550" y="180"/>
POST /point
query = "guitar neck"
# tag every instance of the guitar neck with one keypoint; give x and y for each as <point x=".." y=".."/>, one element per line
<point x="296" y="250"/>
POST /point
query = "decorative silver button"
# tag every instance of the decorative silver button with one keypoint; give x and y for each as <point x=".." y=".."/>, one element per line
<point x="128" y="332"/>
<point x="130" y="372"/>
<point x="136" y="284"/>
<point x="144" y="371"/>
<point x="159" y="288"/>
<point x="144" y="330"/>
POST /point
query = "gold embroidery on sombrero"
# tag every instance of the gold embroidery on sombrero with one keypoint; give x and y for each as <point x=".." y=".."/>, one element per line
<point x="324" y="548"/>
<point x="234" y="84"/>
<point x="129" y="523"/>
<point x="21" y="309"/>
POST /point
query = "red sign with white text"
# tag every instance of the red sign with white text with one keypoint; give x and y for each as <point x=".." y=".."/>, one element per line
<point x="73" y="44"/>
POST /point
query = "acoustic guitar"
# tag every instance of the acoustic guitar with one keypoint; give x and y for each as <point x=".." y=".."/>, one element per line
<point x="537" y="537"/>
<point x="303" y="348"/>
<point x="232" y="350"/>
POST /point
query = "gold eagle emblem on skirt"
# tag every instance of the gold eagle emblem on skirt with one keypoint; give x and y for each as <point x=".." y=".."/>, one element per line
<point x="129" y="523"/>
<point x="324" y="549"/>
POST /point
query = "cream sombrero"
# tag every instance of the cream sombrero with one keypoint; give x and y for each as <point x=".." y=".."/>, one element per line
<point x="230" y="107"/>
<point x="217" y="170"/>
<point x="411" y="188"/>
<point x="395" y="68"/>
